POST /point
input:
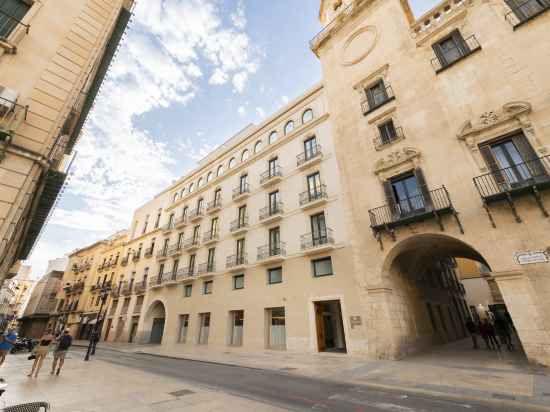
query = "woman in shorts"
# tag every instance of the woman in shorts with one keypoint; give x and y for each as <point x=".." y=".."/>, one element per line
<point x="41" y="351"/>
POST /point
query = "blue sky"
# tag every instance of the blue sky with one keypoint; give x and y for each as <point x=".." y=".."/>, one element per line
<point x="189" y="75"/>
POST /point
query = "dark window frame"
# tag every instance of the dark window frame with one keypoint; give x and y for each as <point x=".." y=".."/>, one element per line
<point x="235" y="277"/>
<point x="323" y="259"/>
<point x="271" y="270"/>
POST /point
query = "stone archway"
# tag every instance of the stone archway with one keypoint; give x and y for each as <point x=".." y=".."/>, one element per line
<point x="154" y="322"/>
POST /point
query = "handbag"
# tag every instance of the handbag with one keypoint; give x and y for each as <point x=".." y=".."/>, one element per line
<point x="32" y="357"/>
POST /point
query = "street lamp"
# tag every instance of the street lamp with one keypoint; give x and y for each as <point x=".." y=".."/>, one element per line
<point x="104" y="294"/>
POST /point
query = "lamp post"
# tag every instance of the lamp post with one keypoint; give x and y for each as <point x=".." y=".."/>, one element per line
<point x="104" y="294"/>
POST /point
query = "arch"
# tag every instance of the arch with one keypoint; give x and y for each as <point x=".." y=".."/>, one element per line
<point x="182" y="193"/>
<point x="200" y="182"/>
<point x="257" y="146"/>
<point x="154" y="321"/>
<point x="289" y="127"/>
<point x="191" y="187"/>
<point x="307" y="116"/>
<point x="272" y="137"/>
<point x="244" y="155"/>
<point x="219" y="171"/>
<point x="209" y="176"/>
<point x="231" y="163"/>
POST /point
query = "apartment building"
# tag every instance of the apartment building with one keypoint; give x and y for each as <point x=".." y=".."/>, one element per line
<point x="53" y="57"/>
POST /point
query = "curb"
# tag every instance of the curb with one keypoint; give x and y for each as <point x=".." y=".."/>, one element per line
<point x="388" y="388"/>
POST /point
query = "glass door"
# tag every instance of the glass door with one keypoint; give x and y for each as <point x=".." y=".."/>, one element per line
<point x="310" y="148"/>
<point x="314" y="186"/>
<point x="274" y="242"/>
<point x="408" y="195"/>
<point x="318" y="229"/>
<point x="273" y="202"/>
<point x="509" y="158"/>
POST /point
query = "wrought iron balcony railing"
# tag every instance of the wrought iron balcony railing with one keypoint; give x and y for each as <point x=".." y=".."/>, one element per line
<point x="526" y="11"/>
<point x="210" y="236"/>
<point x="214" y="205"/>
<point x="196" y="213"/>
<point x="271" y="251"/>
<point x="124" y="261"/>
<point x="238" y="224"/>
<point x="163" y="253"/>
<point x="126" y="289"/>
<point x="455" y="54"/>
<point x="136" y="256"/>
<point x="313" y="195"/>
<point x="314" y="240"/>
<point x="192" y="242"/>
<point x="382" y="140"/>
<point x="243" y="189"/>
<point x="271" y="173"/>
<point x="140" y="287"/>
<point x="236" y="260"/>
<point x="271" y="210"/>
<point x="174" y="249"/>
<point x="314" y="152"/>
<point x="385" y="96"/>
<point x="207" y="267"/>
<point x="149" y="251"/>
<point x="168" y="227"/>
<point x="184" y="273"/>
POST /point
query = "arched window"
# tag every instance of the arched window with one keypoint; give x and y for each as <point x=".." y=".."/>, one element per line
<point x="175" y="198"/>
<point x="191" y="187"/>
<point x="289" y="127"/>
<point x="258" y="146"/>
<point x="232" y="162"/>
<point x="307" y="116"/>
<point x="244" y="155"/>
<point x="272" y="137"/>
<point x="209" y="177"/>
<point x="201" y="181"/>
<point x="219" y="172"/>
<point x="182" y="193"/>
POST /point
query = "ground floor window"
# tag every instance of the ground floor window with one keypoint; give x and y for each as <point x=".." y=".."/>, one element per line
<point x="204" y="330"/>
<point x="184" y="326"/>
<point x="237" y="325"/>
<point x="276" y="328"/>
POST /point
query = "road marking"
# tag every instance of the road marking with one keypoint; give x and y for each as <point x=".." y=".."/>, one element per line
<point x="380" y="405"/>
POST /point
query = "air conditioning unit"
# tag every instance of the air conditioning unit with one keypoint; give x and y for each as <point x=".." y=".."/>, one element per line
<point x="8" y="98"/>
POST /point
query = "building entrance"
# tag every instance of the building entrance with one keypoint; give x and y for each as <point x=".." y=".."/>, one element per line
<point x="330" y="328"/>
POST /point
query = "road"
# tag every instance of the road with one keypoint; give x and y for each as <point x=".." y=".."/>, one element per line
<point x="291" y="392"/>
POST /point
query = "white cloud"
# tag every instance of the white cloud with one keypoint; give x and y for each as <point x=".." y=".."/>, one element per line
<point x="260" y="112"/>
<point x="218" y="77"/>
<point x="239" y="81"/>
<point x="239" y="18"/>
<point x="242" y="111"/>
<point x="285" y="99"/>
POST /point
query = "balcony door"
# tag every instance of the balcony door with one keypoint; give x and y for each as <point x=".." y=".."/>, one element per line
<point x="11" y="11"/>
<point x="407" y="194"/>
<point x="310" y="148"/>
<point x="273" y="202"/>
<point x="274" y="241"/>
<point x="210" y="262"/>
<point x="314" y="185"/>
<point x="243" y="184"/>
<point x="214" y="226"/>
<point x="240" y="251"/>
<point x="196" y="232"/>
<point x="273" y="167"/>
<point x="242" y="216"/>
<point x="318" y="229"/>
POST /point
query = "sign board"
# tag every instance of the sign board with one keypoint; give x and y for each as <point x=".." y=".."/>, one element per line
<point x="527" y="258"/>
<point x="355" y="321"/>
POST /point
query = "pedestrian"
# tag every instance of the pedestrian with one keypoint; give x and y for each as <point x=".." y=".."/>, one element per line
<point x="41" y="351"/>
<point x="503" y="332"/>
<point x="473" y="330"/>
<point x="63" y="344"/>
<point x="488" y="334"/>
<point x="485" y="334"/>
<point x="6" y="343"/>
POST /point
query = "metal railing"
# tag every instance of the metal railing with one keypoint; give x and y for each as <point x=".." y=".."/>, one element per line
<point x="241" y="190"/>
<point x="271" y="210"/>
<point x="269" y="251"/>
<point x="192" y="242"/>
<point x="162" y="253"/>
<point x="136" y="255"/>
<point x="207" y="267"/>
<point x="236" y="260"/>
<point x="313" y="240"/>
<point x="126" y="290"/>
<point x="168" y="226"/>
<point x="380" y="140"/>
<point x="210" y="235"/>
<point x="184" y="273"/>
<point x="149" y="251"/>
<point x="8" y="24"/>
<point x="124" y="260"/>
<point x="313" y="152"/>
<point x="156" y="280"/>
<point x="385" y="96"/>
<point x="456" y="54"/>
<point x="270" y="173"/>
<point x="214" y="204"/>
<point x="407" y="209"/>
<point x="325" y="30"/>
<point x="140" y="287"/>
<point x="313" y="195"/>
<point x="526" y="11"/>
<point x="241" y="223"/>
<point x="514" y="178"/>
<point x="173" y="249"/>
<point x="196" y="213"/>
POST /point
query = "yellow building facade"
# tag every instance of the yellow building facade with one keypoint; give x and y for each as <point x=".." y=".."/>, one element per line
<point x="53" y="57"/>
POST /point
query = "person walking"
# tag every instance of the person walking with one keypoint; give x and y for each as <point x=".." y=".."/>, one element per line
<point x="473" y="330"/>
<point x="503" y="332"/>
<point x="483" y="331"/>
<point x="63" y="344"/>
<point x="489" y="335"/>
<point x="7" y="342"/>
<point x="41" y="351"/>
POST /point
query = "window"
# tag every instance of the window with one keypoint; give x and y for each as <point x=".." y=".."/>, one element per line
<point x="204" y="319"/>
<point x="184" y="213"/>
<point x="241" y="216"/>
<point x="11" y="12"/>
<point x="525" y="10"/>
<point x="289" y="127"/>
<point x="175" y="267"/>
<point x="272" y="137"/>
<point x="274" y="241"/>
<point x="244" y="155"/>
<point x="218" y="197"/>
<point x="377" y="95"/>
<point x="182" y="192"/>
<point x="200" y="205"/>
<point x="310" y="148"/>
<point x="165" y="245"/>
<point x="191" y="187"/>
<point x="214" y="224"/>
<point x="322" y="267"/>
<point x="314" y="185"/>
<point x="307" y="116"/>
<point x="243" y="183"/>
<point x="175" y="197"/>
<point x="200" y="182"/>
<point x="184" y="326"/>
<point x="207" y="287"/>
<point x="258" y="146"/>
<point x="407" y="193"/>
<point x="319" y="235"/>
<point x="209" y="177"/>
<point x="240" y="251"/>
<point x="191" y="265"/>
<point x="210" y="263"/>
<point x="272" y="166"/>
<point x="238" y="282"/>
<point x="451" y="49"/>
<point x="219" y="172"/>
<point x="237" y="324"/>
<point x="196" y="234"/>
<point x="187" y="290"/>
<point x="274" y="200"/>
<point x="180" y="240"/>
<point x="232" y="162"/>
<point x="275" y="275"/>
<point x="171" y="220"/>
<point x="387" y="132"/>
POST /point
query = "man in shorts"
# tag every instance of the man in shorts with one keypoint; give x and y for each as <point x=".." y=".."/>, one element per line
<point x="6" y="343"/>
<point x="63" y="344"/>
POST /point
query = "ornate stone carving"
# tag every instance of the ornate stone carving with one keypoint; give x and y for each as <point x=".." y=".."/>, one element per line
<point x="396" y="158"/>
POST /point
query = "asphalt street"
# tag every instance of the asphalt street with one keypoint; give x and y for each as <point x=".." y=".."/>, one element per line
<point x="290" y="391"/>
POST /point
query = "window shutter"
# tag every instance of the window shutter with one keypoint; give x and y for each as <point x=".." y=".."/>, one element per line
<point x="514" y="6"/>
<point x="492" y="164"/>
<point x="421" y="181"/>
<point x="529" y="155"/>
<point x="460" y="43"/>
<point x="370" y="98"/>
<point x="392" y="204"/>
<point x="440" y="54"/>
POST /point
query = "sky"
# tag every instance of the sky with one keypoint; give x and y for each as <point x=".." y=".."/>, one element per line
<point x="188" y="75"/>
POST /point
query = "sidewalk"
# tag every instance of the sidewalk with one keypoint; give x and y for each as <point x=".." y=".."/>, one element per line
<point x="452" y="370"/>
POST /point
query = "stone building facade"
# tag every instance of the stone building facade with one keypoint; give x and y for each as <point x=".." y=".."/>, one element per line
<point x="53" y="57"/>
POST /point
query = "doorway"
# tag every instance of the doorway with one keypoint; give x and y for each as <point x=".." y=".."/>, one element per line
<point x="330" y="327"/>
<point x="108" y="330"/>
<point x="133" y="330"/>
<point x="157" y="330"/>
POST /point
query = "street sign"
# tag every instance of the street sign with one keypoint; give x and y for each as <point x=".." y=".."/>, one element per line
<point x="527" y="258"/>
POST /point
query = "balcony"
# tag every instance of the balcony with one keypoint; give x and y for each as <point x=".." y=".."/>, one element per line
<point x="174" y="250"/>
<point x="184" y="274"/>
<point x="124" y="261"/>
<point x="241" y="192"/>
<point x="115" y="293"/>
<point x="115" y="262"/>
<point x="78" y="287"/>
<point x="271" y="176"/>
<point x="312" y="243"/>
<point x="155" y="282"/>
<point x="168" y="227"/>
<point x="310" y="157"/>
<point x="126" y="290"/>
<point x="149" y="252"/>
<point x="314" y="197"/>
<point x="214" y="206"/>
<point x="181" y="221"/>
<point x="236" y="263"/>
<point x="380" y="99"/>
<point x="210" y="237"/>
<point x="192" y="243"/>
<point x="206" y="268"/>
<point x="137" y="309"/>
<point x="381" y="141"/>
<point x="196" y="214"/>
<point x="136" y="256"/>
<point x="162" y="254"/>
<point x="169" y="278"/>
<point x="239" y="226"/>
<point x="268" y="254"/>
<point x="140" y="287"/>
<point x="272" y="213"/>
<point x="11" y="117"/>
<point x="454" y="55"/>
<point x="526" y="11"/>
<point x="528" y="178"/>
<point x="411" y="210"/>
<point x="95" y="288"/>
